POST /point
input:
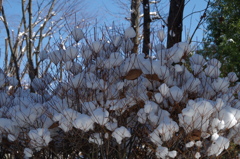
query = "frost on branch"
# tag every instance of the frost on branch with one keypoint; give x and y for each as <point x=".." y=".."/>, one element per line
<point x="111" y="103"/>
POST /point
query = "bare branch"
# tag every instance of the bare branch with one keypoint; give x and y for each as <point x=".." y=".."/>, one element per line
<point x="202" y="19"/>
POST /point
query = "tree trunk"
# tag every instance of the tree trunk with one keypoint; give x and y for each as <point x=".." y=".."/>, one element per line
<point x="32" y="71"/>
<point x="6" y="56"/>
<point x="175" y="19"/>
<point x="135" y="14"/>
<point x="1" y="2"/>
<point x="146" y="27"/>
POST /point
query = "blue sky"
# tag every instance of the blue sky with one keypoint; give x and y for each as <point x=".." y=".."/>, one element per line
<point x="109" y="10"/>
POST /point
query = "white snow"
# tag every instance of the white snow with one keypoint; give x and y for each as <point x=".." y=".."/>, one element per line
<point x="197" y="59"/>
<point x="212" y="71"/>
<point x="83" y="122"/>
<point x="100" y="116"/>
<point x="155" y="138"/>
<point x="161" y="71"/>
<point x="176" y="93"/>
<point x="161" y="35"/>
<point x="129" y="33"/>
<point x="70" y="53"/>
<point x="43" y="55"/>
<point x="158" y="97"/>
<point x="11" y="137"/>
<point x="218" y="145"/>
<point x="197" y="155"/>
<point x="68" y="65"/>
<point x="55" y="56"/>
<point x="161" y="152"/>
<point x="117" y="41"/>
<point x="39" y="137"/>
<point x="228" y="117"/>
<point x="198" y="143"/>
<point x="167" y="129"/>
<point x="232" y="77"/>
<point x="164" y="89"/>
<point x="215" y="62"/>
<point x="96" y="46"/>
<point x="28" y="152"/>
<point x="111" y="125"/>
<point x="120" y="133"/>
<point x="127" y="45"/>
<point x="190" y="144"/>
<point x="96" y="138"/>
<point x="77" y="34"/>
<point x="12" y="81"/>
<point x="142" y="116"/>
<point x="172" y="154"/>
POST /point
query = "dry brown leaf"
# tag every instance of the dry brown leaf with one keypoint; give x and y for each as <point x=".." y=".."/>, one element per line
<point x="195" y="135"/>
<point x="133" y="74"/>
<point x="152" y="77"/>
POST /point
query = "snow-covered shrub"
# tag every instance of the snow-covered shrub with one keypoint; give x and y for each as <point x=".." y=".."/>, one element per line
<point x="112" y="104"/>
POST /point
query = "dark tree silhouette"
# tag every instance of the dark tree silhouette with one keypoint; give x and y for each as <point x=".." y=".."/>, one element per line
<point x="146" y="27"/>
<point x="175" y="20"/>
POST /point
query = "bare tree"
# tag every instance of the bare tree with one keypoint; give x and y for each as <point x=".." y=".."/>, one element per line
<point x="175" y="22"/>
<point x="35" y="29"/>
<point x="146" y="26"/>
<point x="1" y="1"/>
<point x="151" y="13"/>
<point x="135" y="22"/>
<point x="141" y="17"/>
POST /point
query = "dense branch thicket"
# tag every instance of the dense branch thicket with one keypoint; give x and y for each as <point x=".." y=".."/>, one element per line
<point x="34" y="30"/>
<point x="114" y="104"/>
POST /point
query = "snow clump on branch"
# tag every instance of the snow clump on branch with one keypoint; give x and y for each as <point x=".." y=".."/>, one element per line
<point x="114" y="102"/>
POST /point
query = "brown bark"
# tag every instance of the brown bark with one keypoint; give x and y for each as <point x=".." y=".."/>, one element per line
<point x="1" y="2"/>
<point x="175" y="19"/>
<point x="6" y="56"/>
<point x="135" y="7"/>
<point x="146" y="27"/>
<point x="32" y="72"/>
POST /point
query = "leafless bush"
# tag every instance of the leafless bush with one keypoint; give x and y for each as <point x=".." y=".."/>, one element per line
<point x="110" y="103"/>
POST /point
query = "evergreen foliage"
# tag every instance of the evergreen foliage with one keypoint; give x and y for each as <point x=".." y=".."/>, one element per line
<point x="223" y="37"/>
